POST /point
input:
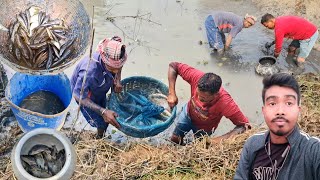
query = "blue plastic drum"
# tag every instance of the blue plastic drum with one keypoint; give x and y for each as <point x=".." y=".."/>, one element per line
<point x="21" y="85"/>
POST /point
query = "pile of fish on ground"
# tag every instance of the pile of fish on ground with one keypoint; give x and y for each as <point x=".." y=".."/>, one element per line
<point x="37" y="41"/>
<point x="100" y="159"/>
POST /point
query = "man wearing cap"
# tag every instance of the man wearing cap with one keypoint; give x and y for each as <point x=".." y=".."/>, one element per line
<point x="221" y="22"/>
<point x="104" y="72"/>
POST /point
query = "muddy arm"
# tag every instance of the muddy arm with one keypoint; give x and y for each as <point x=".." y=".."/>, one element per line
<point x="228" y="42"/>
<point x="109" y="116"/>
<point x="235" y="131"/>
<point x="90" y="104"/>
<point x="172" y="78"/>
<point x="269" y="44"/>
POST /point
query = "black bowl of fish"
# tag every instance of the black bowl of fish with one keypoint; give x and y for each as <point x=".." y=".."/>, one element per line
<point x="43" y="36"/>
<point x="267" y="66"/>
<point x="43" y="153"/>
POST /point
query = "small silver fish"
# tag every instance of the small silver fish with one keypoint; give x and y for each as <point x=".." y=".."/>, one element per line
<point x="53" y="167"/>
<point x="40" y="160"/>
<point x="22" y="22"/>
<point x="40" y="173"/>
<point x="38" y="52"/>
<point x="30" y="160"/>
<point x="62" y="58"/>
<point x="66" y="46"/>
<point x="14" y="30"/>
<point x="47" y="156"/>
<point x="39" y="148"/>
<point x="45" y="19"/>
<point x="158" y="96"/>
<point x="34" y="32"/>
<point x="38" y="46"/>
<point x="56" y="51"/>
<point x="50" y="57"/>
<point x="41" y="59"/>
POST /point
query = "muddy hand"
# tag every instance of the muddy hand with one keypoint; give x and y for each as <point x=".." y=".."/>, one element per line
<point x="110" y="117"/>
<point x="269" y="44"/>
<point x="172" y="100"/>
<point x="226" y="48"/>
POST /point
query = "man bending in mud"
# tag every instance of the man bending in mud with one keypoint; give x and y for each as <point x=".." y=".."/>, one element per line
<point x="284" y="151"/>
<point x="104" y="73"/>
<point x="225" y="22"/>
<point x="209" y="102"/>
<point x="303" y="33"/>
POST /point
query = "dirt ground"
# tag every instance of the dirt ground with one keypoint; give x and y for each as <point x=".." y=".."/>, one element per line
<point x="308" y="9"/>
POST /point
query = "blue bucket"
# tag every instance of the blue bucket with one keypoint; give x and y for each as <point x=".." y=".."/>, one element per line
<point x="21" y="85"/>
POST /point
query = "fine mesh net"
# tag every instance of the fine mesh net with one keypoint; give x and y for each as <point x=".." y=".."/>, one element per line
<point x="142" y="107"/>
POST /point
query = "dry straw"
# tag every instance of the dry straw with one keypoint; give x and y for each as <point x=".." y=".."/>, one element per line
<point x="100" y="159"/>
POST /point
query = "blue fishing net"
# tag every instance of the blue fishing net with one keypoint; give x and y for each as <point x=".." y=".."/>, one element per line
<point x="141" y="107"/>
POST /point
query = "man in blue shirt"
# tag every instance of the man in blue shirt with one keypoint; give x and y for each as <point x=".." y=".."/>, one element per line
<point x="104" y="72"/>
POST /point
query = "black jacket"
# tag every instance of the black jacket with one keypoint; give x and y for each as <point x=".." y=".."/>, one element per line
<point x="303" y="161"/>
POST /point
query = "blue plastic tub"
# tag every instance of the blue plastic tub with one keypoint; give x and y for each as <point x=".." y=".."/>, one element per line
<point x="21" y="85"/>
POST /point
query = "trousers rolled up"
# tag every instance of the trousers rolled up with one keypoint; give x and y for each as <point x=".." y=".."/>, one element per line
<point x="306" y="45"/>
<point x="216" y="38"/>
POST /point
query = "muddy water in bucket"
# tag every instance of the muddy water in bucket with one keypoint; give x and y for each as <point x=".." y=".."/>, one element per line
<point x="44" y="102"/>
<point x="39" y="100"/>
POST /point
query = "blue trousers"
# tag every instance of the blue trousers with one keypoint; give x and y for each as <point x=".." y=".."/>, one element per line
<point x="216" y="38"/>
<point x="184" y="125"/>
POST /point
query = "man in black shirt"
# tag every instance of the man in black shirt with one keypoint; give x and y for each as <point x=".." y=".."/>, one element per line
<point x="283" y="152"/>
